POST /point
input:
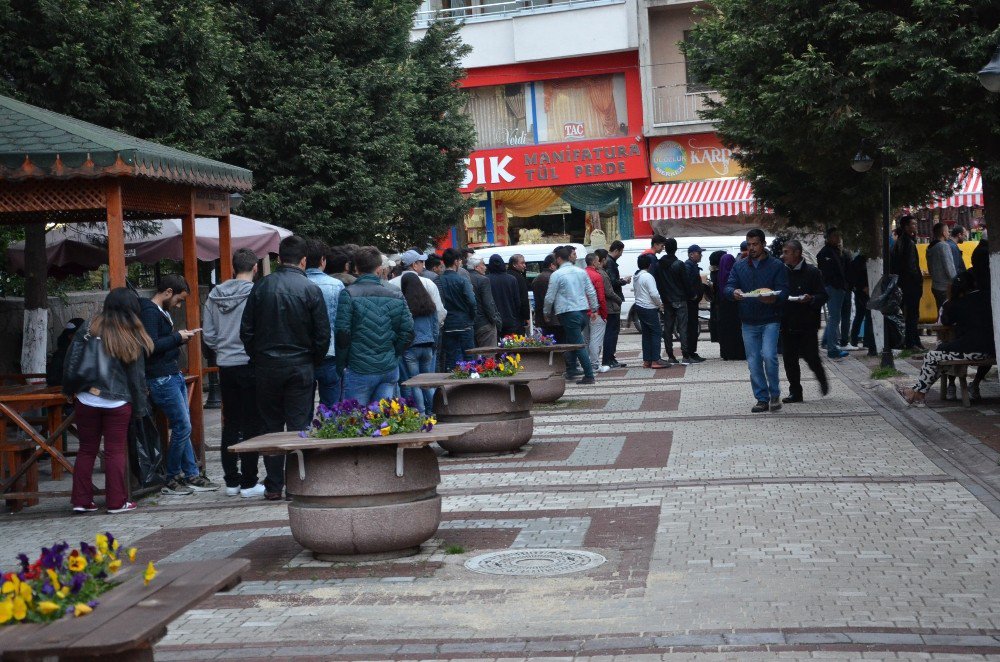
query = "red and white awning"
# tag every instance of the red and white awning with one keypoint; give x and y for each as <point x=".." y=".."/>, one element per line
<point x="968" y="193"/>
<point x="704" y="199"/>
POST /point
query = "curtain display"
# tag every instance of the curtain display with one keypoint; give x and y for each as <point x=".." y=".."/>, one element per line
<point x="580" y="108"/>
<point x="597" y="197"/>
<point x="499" y="114"/>
<point x="526" y="202"/>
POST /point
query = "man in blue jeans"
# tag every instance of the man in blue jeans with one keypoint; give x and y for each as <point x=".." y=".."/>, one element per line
<point x="830" y="261"/>
<point x="760" y="317"/>
<point x="327" y="377"/>
<point x="166" y="384"/>
<point x="572" y="297"/>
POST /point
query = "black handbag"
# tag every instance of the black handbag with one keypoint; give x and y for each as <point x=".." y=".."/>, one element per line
<point x="87" y="363"/>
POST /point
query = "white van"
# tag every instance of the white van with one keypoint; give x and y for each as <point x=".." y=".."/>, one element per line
<point x="534" y="255"/>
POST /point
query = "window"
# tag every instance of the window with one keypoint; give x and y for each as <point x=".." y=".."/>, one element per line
<point x="501" y="115"/>
<point x="694" y="84"/>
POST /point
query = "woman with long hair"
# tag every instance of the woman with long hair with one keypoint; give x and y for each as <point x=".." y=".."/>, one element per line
<point x="419" y="356"/>
<point x="105" y="372"/>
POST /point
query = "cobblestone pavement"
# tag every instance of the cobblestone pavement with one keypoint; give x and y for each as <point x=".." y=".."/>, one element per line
<point x="846" y="527"/>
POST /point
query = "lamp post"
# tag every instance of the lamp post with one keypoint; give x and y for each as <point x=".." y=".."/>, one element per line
<point x="863" y="162"/>
<point x="989" y="75"/>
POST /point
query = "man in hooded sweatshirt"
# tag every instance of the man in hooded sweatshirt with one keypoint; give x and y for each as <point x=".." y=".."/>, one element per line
<point x="221" y="331"/>
<point x="506" y="296"/>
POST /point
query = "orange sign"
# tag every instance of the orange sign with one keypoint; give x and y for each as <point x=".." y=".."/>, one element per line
<point x="690" y="157"/>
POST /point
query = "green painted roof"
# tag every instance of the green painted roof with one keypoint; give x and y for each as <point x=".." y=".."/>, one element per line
<point x="62" y="147"/>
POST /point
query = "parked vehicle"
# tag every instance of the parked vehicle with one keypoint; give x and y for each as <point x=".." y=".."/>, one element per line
<point x="533" y="254"/>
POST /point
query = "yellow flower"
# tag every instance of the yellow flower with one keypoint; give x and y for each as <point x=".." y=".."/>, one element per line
<point x="77" y="563"/>
<point x="395" y="407"/>
<point x="149" y="574"/>
<point x="132" y="551"/>
<point x="47" y="607"/>
<point x="98" y="557"/>
<point x="20" y="608"/>
<point x="115" y="545"/>
<point x="432" y="420"/>
<point x="115" y="565"/>
<point x="53" y="578"/>
<point x="6" y="610"/>
<point x="10" y="586"/>
<point x="25" y="591"/>
<point x="63" y="592"/>
<point x="385" y="431"/>
<point x="102" y="543"/>
<point x="82" y="609"/>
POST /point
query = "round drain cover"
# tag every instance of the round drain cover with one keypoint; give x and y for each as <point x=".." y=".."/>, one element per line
<point x="535" y="562"/>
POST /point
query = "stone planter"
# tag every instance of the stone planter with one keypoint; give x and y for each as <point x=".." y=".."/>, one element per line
<point x="361" y="499"/>
<point x="539" y="359"/>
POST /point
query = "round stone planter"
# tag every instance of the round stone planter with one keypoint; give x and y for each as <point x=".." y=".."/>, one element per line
<point x="505" y="423"/>
<point x="549" y="360"/>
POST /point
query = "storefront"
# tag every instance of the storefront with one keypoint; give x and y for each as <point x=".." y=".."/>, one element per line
<point x="559" y="153"/>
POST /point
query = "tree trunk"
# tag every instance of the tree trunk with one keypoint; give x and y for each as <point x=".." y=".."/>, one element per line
<point x="873" y="241"/>
<point x="991" y="210"/>
<point x="36" y="302"/>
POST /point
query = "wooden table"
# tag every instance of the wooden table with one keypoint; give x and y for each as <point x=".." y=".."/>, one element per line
<point x="130" y="617"/>
<point x="14" y="401"/>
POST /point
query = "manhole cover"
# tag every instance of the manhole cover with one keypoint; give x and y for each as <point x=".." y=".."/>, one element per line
<point x="535" y="562"/>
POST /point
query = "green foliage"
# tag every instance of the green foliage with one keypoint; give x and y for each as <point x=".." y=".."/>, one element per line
<point x="886" y="373"/>
<point x="804" y="82"/>
<point x="454" y="549"/>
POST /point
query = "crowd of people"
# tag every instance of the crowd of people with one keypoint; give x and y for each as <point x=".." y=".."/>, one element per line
<point x="346" y="323"/>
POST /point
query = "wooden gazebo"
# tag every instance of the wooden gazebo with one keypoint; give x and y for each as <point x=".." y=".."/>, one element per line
<point x="55" y="168"/>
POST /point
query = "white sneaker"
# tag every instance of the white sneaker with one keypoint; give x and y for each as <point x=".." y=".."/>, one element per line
<point x="604" y="368"/>
<point x="232" y="491"/>
<point x="251" y="492"/>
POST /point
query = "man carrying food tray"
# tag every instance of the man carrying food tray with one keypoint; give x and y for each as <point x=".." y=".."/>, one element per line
<point x="760" y="285"/>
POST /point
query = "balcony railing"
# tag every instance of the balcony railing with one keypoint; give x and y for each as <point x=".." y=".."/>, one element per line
<point x="499" y="10"/>
<point x="674" y="105"/>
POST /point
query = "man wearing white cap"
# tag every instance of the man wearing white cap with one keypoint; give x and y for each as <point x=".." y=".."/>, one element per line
<point x="414" y="261"/>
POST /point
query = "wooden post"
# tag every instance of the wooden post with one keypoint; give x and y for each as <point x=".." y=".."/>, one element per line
<point x="116" y="234"/>
<point x="225" y="248"/>
<point x="193" y="313"/>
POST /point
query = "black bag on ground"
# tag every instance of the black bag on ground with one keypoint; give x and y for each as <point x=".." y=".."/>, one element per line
<point x="887" y="299"/>
<point x="144" y="454"/>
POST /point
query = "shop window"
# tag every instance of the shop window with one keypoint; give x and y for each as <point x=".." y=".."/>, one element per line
<point x="582" y="108"/>
<point x="501" y="115"/>
<point x="694" y="83"/>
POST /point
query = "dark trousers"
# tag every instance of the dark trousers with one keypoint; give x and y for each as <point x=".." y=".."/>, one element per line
<point x="861" y="315"/>
<point x="694" y="328"/>
<point x="800" y="345"/>
<point x="911" y="314"/>
<point x="675" y="319"/>
<point x="845" y="320"/>
<point x="611" y="338"/>
<point x="240" y="421"/>
<point x="92" y="424"/>
<point x="285" y="402"/>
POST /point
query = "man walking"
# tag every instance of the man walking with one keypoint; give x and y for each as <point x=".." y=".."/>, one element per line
<point x="327" y="378"/>
<point x="672" y="282"/>
<point x="487" y="316"/>
<point x="166" y="384"/>
<point x="414" y="261"/>
<point x="697" y="288"/>
<point x="506" y="296"/>
<point x="614" y="328"/>
<point x="941" y="264"/>
<point x="572" y="297"/>
<point x="517" y="268"/>
<point x="760" y="317"/>
<point x="241" y="419"/>
<point x="373" y="329"/>
<point x="800" y="321"/>
<point x="286" y="333"/>
<point x="595" y="330"/>
<point x="904" y="263"/>
<point x="831" y="266"/>
<point x="460" y="303"/>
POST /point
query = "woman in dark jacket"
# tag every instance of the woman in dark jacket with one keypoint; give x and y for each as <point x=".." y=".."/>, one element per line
<point x="968" y="309"/>
<point x="109" y="398"/>
<point x="419" y="356"/>
<point x="729" y="330"/>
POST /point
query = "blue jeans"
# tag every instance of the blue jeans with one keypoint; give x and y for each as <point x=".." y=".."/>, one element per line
<point x="761" y="342"/>
<point x="649" y="320"/>
<point x="834" y="310"/>
<point x="453" y="346"/>
<point x="370" y="388"/>
<point x="573" y="323"/>
<point x="417" y="361"/>
<point x="328" y="382"/>
<point x="169" y="394"/>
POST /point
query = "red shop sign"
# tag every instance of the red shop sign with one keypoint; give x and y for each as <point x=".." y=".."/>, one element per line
<point x="556" y="164"/>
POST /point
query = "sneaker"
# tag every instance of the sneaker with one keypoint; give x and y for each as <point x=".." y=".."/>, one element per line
<point x="585" y="381"/>
<point x="792" y="399"/>
<point x="201" y="484"/>
<point x="604" y="368"/>
<point x="232" y="491"/>
<point x="824" y="386"/>
<point x="92" y="508"/>
<point x="251" y="492"/>
<point x="685" y="360"/>
<point x="671" y="361"/>
<point x="974" y="394"/>
<point x="618" y="364"/>
<point x="836" y="356"/>
<point x="775" y="404"/>
<point x="129" y="505"/>
<point x="175" y="487"/>
<point x="951" y="392"/>
<point x="694" y="358"/>
<point x="759" y="407"/>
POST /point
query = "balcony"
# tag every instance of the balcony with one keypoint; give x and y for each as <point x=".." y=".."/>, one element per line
<point x="492" y="11"/>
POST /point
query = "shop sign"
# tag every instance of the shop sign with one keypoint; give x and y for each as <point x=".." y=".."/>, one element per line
<point x="556" y="164"/>
<point x="691" y="157"/>
<point x="573" y="130"/>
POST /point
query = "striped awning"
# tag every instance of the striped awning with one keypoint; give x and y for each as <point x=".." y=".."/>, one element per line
<point x="704" y="199"/>
<point x="968" y="193"/>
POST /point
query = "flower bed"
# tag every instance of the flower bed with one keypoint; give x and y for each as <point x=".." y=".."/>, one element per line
<point x="515" y="341"/>
<point x="505" y="365"/>
<point x="378" y="419"/>
<point x="63" y="581"/>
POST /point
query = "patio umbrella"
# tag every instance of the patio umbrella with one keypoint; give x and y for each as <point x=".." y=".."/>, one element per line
<point x="73" y="249"/>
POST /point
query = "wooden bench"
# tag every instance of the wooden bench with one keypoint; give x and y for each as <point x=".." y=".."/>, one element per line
<point x="129" y="619"/>
<point x="14" y="454"/>
<point x="960" y="369"/>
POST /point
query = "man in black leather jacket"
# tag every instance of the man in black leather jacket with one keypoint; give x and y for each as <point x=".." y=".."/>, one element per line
<point x="675" y="292"/>
<point x="286" y="333"/>
<point x="905" y="263"/>
<point x="800" y="320"/>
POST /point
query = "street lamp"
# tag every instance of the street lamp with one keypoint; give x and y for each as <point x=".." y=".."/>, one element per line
<point x="989" y="75"/>
<point x="862" y="163"/>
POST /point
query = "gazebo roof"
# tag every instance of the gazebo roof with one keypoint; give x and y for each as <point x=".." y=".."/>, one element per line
<point x="39" y="144"/>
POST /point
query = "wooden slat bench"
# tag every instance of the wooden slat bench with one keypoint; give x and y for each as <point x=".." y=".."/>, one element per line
<point x="960" y="369"/>
<point x="129" y="619"/>
<point x="14" y="454"/>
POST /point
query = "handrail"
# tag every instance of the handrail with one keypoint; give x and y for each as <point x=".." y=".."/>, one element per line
<point x="506" y="8"/>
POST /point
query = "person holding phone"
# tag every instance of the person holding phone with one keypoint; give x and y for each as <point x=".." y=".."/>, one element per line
<point x="166" y="384"/>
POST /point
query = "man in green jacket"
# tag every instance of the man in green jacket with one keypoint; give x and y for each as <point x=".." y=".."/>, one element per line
<point x="374" y="327"/>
